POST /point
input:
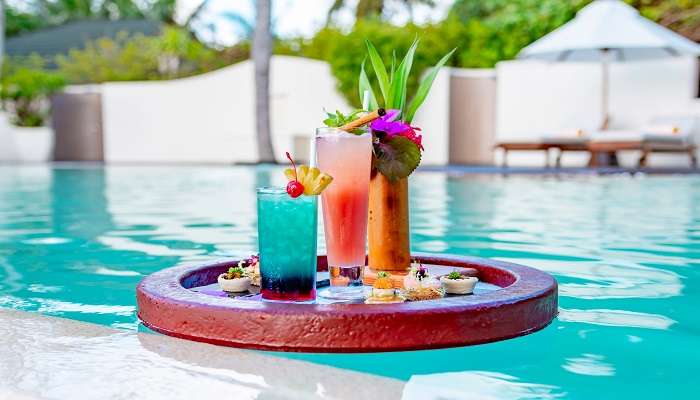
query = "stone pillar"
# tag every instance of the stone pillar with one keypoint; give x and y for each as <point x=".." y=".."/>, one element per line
<point x="77" y="122"/>
<point x="472" y="116"/>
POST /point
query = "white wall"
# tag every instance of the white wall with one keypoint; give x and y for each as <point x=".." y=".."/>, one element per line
<point x="434" y="119"/>
<point x="210" y="118"/>
<point x="30" y="145"/>
<point x="536" y="98"/>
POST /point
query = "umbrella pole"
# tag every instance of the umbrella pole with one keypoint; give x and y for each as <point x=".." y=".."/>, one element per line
<point x="605" y="88"/>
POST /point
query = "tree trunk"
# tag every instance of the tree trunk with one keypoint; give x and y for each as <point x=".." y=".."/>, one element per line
<point x="262" y="52"/>
<point x="2" y="31"/>
<point x="369" y="8"/>
<point x="192" y="16"/>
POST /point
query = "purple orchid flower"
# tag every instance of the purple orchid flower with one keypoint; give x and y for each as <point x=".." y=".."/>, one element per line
<point x="390" y="127"/>
<point x="388" y="124"/>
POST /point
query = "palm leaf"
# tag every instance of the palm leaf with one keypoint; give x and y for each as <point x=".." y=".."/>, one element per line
<point x="393" y="65"/>
<point x="379" y="71"/>
<point x="400" y="81"/>
<point x="365" y="85"/>
<point x="424" y="88"/>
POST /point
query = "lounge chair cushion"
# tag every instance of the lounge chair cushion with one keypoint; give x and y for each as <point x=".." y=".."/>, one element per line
<point x="683" y="124"/>
<point x="520" y="140"/>
<point x="638" y="136"/>
<point x="663" y="129"/>
<point x="574" y="136"/>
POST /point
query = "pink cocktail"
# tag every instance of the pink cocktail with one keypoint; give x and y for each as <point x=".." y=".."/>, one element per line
<point x="347" y="158"/>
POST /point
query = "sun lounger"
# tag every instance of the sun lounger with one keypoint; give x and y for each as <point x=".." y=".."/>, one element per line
<point x="658" y="138"/>
<point x="567" y="141"/>
<point x="522" y="146"/>
<point x="609" y="146"/>
<point x="575" y="141"/>
<point x="663" y="135"/>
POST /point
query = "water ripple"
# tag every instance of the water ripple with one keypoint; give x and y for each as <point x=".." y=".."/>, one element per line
<point x="75" y="242"/>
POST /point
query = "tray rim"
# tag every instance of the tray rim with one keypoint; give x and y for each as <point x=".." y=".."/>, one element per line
<point x="527" y="304"/>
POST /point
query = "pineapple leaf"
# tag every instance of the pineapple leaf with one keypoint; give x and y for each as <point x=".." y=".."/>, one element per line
<point x="400" y="81"/>
<point x="424" y="88"/>
<point x="379" y="71"/>
<point x="365" y="85"/>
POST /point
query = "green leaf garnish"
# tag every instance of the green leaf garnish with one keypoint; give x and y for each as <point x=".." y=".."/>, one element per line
<point x="393" y="65"/>
<point x="393" y="85"/>
<point x="424" y="88"/>
<point x="379" y="71"/>
<point x="455" y="275"/>
<point x="235" y="273"/>
<point x="339" y="119"/>
<point x="400" y="80"/>
<point x="363" y="86"/>
<point x="397" y="158"/>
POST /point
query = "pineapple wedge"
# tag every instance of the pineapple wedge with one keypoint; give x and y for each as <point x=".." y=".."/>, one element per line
<point x="313" y="180"/>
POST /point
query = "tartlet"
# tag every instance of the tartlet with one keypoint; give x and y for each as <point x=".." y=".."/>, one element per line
<point x="383" y="291"/>
<point x="419" y="285"/>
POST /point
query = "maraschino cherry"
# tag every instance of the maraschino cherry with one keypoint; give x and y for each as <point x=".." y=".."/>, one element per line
<point x="294" y="188"/>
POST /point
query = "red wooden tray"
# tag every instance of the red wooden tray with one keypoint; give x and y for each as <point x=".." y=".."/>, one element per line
<point x="524" y="302"/>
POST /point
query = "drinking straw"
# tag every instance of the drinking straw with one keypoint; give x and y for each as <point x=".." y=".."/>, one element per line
<point x="312" y="152"/>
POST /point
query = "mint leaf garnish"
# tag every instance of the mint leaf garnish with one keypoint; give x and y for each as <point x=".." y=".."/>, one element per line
<point x="397" y="157"/>
<point x="338" y="119"/>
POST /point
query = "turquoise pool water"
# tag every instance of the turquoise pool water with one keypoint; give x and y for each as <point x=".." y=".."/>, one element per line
<point x="625" y="250"/>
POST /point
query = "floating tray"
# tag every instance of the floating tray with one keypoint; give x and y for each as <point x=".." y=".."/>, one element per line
<point x="511" y="300"/>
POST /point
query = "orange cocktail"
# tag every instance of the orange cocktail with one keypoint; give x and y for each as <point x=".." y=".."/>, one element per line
<point x="347" y="158"/>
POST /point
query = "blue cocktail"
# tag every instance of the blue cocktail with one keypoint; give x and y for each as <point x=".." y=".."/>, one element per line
<point x="287" y="229"/>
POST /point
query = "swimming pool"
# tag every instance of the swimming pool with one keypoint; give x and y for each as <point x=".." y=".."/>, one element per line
<point x="74" y="242"/>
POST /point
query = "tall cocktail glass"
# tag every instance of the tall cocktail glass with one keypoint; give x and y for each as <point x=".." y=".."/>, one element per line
<point x="347" y="158"/>
<point x="287" y="231"/>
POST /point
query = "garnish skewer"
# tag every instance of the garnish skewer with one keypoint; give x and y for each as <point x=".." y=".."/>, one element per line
<point x="363" y="120"/>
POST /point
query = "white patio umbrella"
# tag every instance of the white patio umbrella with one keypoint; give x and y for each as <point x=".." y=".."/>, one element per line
<point x="608" y="30"/>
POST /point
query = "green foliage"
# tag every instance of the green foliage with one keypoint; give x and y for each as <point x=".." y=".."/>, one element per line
<point x="373" y="8"/>
<point x="17" y="22"/>
<point x="25" y="91"/>
<point x="484" y="33"/>
<point x="37" y="14"/>
<point x="504" y="27"/>
<point x="501" y="28"/>
<point x="683" y="16"/>
<point x="123" y="59"/>
<point x="175" y="53"/>
<point x="345" y="51"/>
<point x="477" y="46"/>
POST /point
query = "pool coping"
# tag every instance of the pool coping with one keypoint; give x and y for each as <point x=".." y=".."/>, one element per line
<point x="47" y="357"/>
<point x="454" y="169"/>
